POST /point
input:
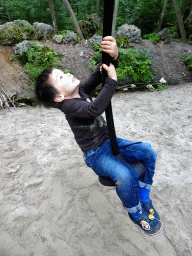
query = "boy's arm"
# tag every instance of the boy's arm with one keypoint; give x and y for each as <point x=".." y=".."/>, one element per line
<point x="92" y="81"/>
<point x="84" y="109"/>
<point x="109" y="46"/>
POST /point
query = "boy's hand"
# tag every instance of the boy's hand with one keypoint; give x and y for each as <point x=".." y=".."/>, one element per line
<point x="110" y="71"/>
<point x="109" y="46"/>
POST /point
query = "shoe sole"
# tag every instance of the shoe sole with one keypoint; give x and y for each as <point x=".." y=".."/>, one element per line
<point x="155" y="233"/>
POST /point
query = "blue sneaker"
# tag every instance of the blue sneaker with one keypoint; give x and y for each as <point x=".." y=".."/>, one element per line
<point x="149" y="226"/>
<point x="150" y="209"/>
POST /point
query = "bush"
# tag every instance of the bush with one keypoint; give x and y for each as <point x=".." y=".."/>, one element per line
<point x="122" y="42"/>
<point x="97" y="57"/>
<point x="37" y="58"/>
<point x="152" y="36"/>
<point x="188" y="61"/>
<point x="133" y="63"/>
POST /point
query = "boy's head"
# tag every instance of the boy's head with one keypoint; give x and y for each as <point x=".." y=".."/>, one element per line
<point x="53" y="86"/>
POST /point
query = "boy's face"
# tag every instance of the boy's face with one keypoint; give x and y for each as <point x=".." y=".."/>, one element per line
<point x="66" y="84"/>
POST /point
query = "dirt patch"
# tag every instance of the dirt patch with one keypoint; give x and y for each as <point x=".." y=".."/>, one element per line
<point x="75" y="57"/>
<point x="167" y="60"/>
<point x="13" y="79"/>
<point x="166" y="63"/>
<point x="52" y="203"/>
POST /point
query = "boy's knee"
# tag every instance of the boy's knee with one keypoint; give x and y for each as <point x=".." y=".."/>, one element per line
<point x="124" y="178"/>
<point x="151" y="151"/>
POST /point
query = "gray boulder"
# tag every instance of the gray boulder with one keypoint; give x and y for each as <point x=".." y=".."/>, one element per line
<point x="94" y="18"/>
<point x="58" y="39"/>
<point x="165" y="36"/>
<point x="44" y="31"/>
<point x="94" y="40"/>
<point x="130" y="31"/>
<point x="70" y="38"/>
<point x="11" y="32"/>
<point x="22" y="23"/>
<point x="24" y="46"/>
<point x="7" y="25"/>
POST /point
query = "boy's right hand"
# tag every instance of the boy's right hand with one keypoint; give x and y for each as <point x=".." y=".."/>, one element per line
<point x="110" y="71"/>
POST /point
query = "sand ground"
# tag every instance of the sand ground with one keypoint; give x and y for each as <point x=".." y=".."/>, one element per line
<point x="52" y="204"/>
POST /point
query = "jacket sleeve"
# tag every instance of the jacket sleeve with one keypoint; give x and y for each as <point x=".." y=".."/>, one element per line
<point x="95" y="79"/>
<point x="83" y="109"/>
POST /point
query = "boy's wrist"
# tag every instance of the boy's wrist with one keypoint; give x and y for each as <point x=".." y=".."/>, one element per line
<point x="116" y="57"/>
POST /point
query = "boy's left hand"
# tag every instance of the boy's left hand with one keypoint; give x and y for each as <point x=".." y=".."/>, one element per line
<point x="109" y="46"/>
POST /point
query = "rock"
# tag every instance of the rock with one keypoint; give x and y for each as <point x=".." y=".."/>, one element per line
<point x="94" y="40"/>
<point x="94" y="18"/>
<point x="22" y="23"/>
<point x="13" y="32"/>
<point x="23" y="47"/>
<point x="6" y="40"/>
<point x="58" y="39"/>
<point x="130" y="31"/>
<point x="43" y="31"/>
<point x="88" y="28"/>
<point x="7" y="25"/>
<point x="70" y="38"/>
<point x="165" y="35"/>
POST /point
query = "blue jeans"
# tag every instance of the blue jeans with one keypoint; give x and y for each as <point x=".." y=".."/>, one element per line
<point x="128" y="183"/>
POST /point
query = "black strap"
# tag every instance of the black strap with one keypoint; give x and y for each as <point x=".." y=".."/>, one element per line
<point x="106" y="59"/>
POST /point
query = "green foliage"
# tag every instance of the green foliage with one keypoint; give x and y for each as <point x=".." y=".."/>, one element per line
<point x="148" y="13"/>
<point x="173" y="31"/>
<point x="68" y="71"/>
<point x="152" y="36"/>
<point x="62" y="32"/>
<point x="188" y="61"/>
<point x="135" y="64"/>
<point x="142" y="13"/>
<point x="37" y="58"/>
<point x="160" y="87"/>
<point x="97" y="57"/>
<point x="16" y="34"/>
<point x="127" y="12"/>
<point x="122" y="42"/>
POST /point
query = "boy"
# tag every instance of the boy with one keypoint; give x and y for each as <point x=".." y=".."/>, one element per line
<point x="67" y="93"/>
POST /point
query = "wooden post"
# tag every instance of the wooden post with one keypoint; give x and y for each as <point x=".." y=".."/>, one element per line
<point x="180" y="20"/>
<point x="162" y="16"/>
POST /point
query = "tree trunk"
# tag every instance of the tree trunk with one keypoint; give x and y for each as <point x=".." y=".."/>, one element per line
<point x="53" y="16"/>
<point x="162" y="16"/>
<point x="115" y="17"/>
<point x="180" y="20"/>
<point x="74" y="20"/>
<point x="190" y="15"/>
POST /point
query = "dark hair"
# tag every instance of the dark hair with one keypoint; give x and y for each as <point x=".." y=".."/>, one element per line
<point x="44" y="90"/>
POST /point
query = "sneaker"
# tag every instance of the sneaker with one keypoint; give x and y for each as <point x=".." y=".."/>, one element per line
<point x="150" y="209"/>
<point x="149" y="226"/>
